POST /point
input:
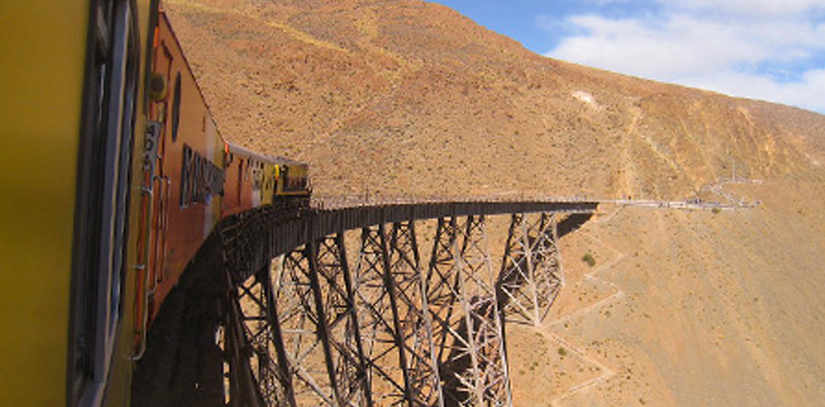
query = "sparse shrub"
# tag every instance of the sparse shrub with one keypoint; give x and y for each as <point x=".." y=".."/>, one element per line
<point x="589" y="259"/>
<point x="716" y="210"/>
<point x="562" y="351"/>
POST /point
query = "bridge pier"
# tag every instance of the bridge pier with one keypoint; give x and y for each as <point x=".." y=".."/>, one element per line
<point x="471" y="346"/>
<point x="414" y="317"/>
<point x="375" y="294"/>
<point x="531" y="275"/>
<point x="390" y="288"/>
<point x="253" y="330"/>
<point x="338" y="321"/>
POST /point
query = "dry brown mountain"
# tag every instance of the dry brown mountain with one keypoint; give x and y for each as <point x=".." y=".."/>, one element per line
<point x="416" y="98"/>
<point x="407" y="97"/>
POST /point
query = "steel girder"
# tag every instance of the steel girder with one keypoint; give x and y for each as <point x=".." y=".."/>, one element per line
<point x="251" y="239"/>
<point x="531" y="275"/>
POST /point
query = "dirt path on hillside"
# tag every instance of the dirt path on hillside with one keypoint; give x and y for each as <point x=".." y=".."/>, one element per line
<point x="606" y="371"/>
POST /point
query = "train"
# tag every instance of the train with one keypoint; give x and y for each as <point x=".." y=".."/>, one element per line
<point x="114" y="173"/>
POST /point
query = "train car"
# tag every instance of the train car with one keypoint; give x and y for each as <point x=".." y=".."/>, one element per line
<point x="254" y="179"/>
<point x="293" y="180"/>
<point x="184" y="180"/>
<point x="113" y="174"/>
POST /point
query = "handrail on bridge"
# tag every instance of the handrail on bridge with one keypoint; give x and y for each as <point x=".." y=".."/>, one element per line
<point x="331" y="202"/>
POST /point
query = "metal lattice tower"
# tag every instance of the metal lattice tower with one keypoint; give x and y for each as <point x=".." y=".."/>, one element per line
<point x="375" y="294"/>
<point x="255" y="309"/>
<point x="414" y="316"/>
<point x="531" y="276"/>
<point x="340" y="331"/>
<point x="466" y="315"/>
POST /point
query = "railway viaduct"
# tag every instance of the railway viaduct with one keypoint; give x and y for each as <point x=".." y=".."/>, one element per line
<point x="331" y="306"/>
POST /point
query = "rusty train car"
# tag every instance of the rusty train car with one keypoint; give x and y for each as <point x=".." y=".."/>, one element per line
<point x="114" y="174"/>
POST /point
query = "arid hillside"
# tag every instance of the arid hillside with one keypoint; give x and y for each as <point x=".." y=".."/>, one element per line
<point x="690" y="308"/>
<point x="687" y="308"/>
<point x="411" y="97"/>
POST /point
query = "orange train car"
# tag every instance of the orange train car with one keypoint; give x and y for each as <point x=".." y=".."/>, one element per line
<point x="186" y="180"/>
<point x="192" y="179"/>
<point x="197" y="177"/>
<point x="254" y="179"/>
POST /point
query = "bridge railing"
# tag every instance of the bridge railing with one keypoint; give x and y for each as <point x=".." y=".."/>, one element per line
<point x="328" y="202"/>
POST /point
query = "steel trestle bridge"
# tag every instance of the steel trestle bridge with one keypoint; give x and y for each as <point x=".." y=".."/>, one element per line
<point x="331" y="306"/>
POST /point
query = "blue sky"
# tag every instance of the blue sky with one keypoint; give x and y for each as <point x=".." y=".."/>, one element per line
<point x="763" y="49"/>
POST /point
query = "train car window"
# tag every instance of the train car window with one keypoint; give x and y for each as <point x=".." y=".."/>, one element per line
<point x="103" y="179"/>
<point x="176" y="109"/>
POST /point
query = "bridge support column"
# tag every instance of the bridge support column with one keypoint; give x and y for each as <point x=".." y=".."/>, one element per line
<point x="378" y="320"/>
<point x="299" y="324"/>
<point x="253" y="328"/>
<point x="531" y="276"/>
<point x="243" y="384"/>
<point x="311" y="304"/>
<point x="338" y="322"/>
<point x="470" y="346"/>
<point x="396" y="325"/>
<point x="413" y="315"/>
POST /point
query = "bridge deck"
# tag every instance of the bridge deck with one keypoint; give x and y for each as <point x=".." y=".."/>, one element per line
<point x="270" y="232"/>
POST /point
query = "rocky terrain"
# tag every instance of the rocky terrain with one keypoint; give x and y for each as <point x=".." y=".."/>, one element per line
<point x="406" y="97"/>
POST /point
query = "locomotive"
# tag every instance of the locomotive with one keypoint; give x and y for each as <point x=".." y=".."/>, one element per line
<point x="114" y="173"/>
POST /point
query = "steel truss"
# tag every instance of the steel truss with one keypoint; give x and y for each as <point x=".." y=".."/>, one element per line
<point x="531" y="275"/>
<point x="315" y="305"/>
<point x="306" y="330"/>
<point x="466" y="317"/>
<point x="264" y="341"/>
<point x="397" y="329"/>
<point x="242" y="387"/>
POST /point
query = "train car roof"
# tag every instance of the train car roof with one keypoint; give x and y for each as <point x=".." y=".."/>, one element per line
<point x="236" y="149"/>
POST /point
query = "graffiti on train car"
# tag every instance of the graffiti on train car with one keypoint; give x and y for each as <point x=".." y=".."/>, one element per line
<point x="200" y="179"/>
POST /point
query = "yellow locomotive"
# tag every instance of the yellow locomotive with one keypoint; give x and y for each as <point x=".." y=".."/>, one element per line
<point x="113" y="173"/>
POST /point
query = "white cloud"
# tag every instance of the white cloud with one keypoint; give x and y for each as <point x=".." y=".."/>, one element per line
<point x="678" y="47"/>
<point x="731" y="53"/>
<point x="806" y="93"/>
<point x="750" y="7"/>
<point x="771" y="8"/>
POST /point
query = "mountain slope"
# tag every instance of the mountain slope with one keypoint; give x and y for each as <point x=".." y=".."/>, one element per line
<point x="690" y="308"/>
<point x="406" y="97"/>
<point x="436" y="104"/>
